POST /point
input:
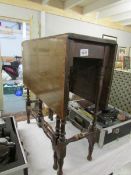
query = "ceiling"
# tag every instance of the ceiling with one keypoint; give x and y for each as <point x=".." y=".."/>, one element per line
<point x="118" y="11"/>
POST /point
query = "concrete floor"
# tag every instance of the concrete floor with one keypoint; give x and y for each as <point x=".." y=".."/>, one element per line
<point x="40" y="153"/>
<point x="14" y="104"/>
<point x="125" y="170"/>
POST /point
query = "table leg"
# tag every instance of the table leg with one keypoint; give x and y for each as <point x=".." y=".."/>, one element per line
<point x="25" y="171"/>
<point x="28" y="106"/>
<point x="40" y="114"/>
<point x="50" y="114"/>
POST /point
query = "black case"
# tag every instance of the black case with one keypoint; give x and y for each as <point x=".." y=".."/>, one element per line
<point x="20" y="162"/>
<point x="82" y="119"/>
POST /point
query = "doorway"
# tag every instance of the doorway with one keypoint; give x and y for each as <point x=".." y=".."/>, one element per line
<point x="12" y="34"/>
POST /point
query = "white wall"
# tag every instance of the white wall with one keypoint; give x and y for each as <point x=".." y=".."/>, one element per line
<point x="10" y="45"/>
<point x="43" y="23"/>
<point x="57" y="25"/>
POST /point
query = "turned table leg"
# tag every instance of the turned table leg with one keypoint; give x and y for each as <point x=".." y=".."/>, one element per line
<point x="50" y="114"/>
<point x="61" y="148"/>
<point x="40" y="114"/>
<point x="25" y="171"/>
<point x="91" y="139"/>
<point x="91" y="147"/>
<point x="28" y="106"/>
<point x="57" y="132"/>
<point x="55" y="165"/>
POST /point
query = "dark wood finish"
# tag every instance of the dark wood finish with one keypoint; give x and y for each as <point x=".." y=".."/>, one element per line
<point x="60" y="147"/>
<point x="91" y="78"/>
<point x="57" y="60"/>
<point x="40" y="114"/>
<point x="84" y="78"/>
<point x="25" y="171"/>
<point x="50" y="114"/>
<point x="99" y="49"/>
<point x="28" y="105"/>
<point x="55" y="65"/>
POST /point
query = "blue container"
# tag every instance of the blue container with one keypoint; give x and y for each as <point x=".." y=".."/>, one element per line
<point x="19" y="91"/>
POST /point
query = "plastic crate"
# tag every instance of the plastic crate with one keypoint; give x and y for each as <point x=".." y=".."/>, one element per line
<point x="11" y="89"/>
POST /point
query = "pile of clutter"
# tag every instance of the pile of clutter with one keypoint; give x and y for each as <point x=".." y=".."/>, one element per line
<point x="12" y="76"/>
